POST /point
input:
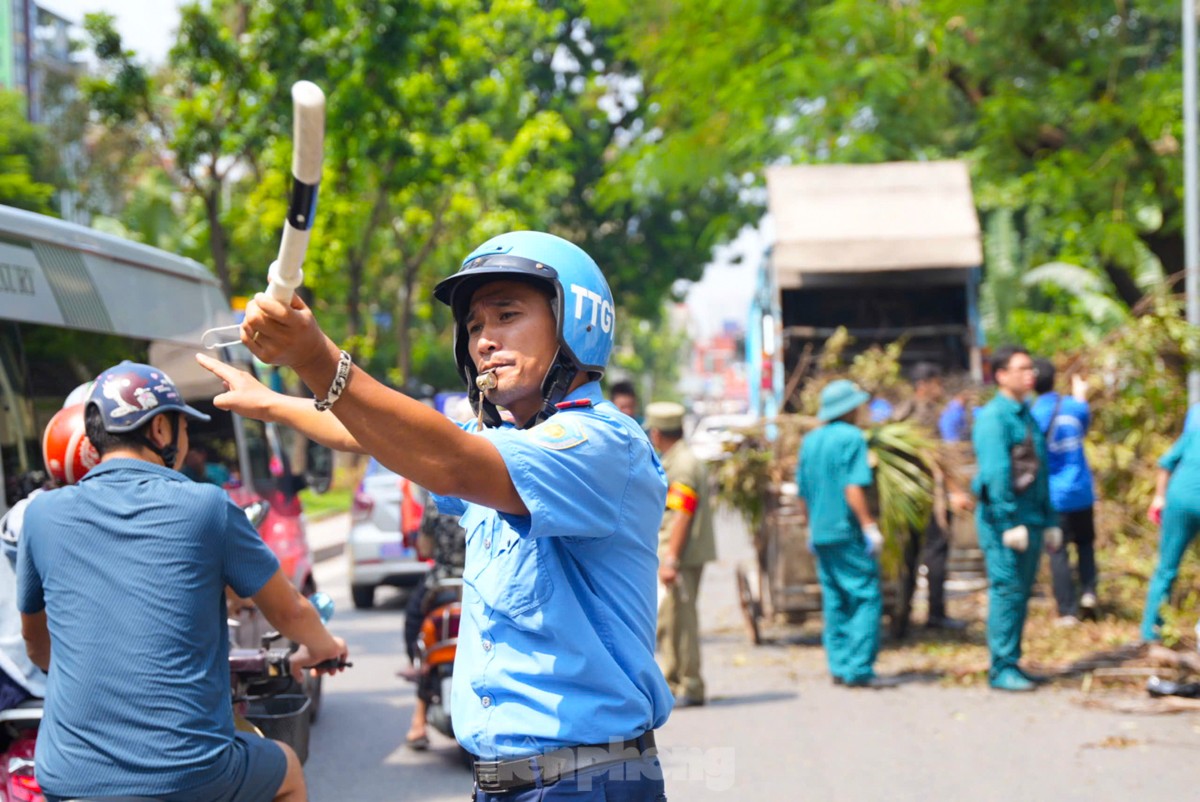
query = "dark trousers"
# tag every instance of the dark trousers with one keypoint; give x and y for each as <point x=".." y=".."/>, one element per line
<point x="414" y="615"/>
<point x="1079" y="530"/>
<point x="11" y="692"/>
<point x="931" y="549"/>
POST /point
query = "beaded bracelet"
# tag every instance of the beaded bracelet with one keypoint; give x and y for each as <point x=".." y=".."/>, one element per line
<point x="338" y="386"/>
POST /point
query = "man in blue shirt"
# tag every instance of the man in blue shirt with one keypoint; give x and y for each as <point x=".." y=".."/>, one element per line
<point x="1064" y="421"/>
<point x="121" y="584"/>
<point x="556" y="690"/>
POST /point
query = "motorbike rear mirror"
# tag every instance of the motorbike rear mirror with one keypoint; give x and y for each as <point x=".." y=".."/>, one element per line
<point x="318" y="472"/>
<point x="256" y="512"/>
<point x="323" y="602"/>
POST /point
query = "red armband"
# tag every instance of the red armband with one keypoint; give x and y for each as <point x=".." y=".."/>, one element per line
<point x="682" y="498"/>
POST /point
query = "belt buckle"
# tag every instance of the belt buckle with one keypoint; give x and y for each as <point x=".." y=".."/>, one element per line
<point x="487" y="776"/>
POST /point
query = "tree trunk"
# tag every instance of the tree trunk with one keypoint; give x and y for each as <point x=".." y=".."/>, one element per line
<point x="356" y="264"/>
<point x="354" y="274"/>
<point x="412" y="268"/>
<point x="404" y="323"/>
<point x="217" y="238"/>
<point x="1126" y="287"/>
<point x="1169" y="250"/>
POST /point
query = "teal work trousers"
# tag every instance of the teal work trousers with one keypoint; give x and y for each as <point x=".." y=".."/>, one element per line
<point x="852" y="603"/>
<point x="1179" y="527"/>
<point x="1010" y="580"/>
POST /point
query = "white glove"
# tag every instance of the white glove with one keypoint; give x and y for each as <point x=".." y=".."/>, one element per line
<point x="1016" y="538"/>
<point x="1053" y="538"/>
<point x="873" y="539"/>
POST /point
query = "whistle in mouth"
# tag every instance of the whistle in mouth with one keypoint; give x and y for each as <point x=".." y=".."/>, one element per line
<point x="486" y="381"/>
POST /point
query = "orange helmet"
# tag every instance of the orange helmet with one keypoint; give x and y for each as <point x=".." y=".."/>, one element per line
<point x="65" y="447"/>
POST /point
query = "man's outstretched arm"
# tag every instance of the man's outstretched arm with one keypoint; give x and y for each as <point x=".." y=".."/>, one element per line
<point x="250" y="398"/>
<point x="403" y="434"/>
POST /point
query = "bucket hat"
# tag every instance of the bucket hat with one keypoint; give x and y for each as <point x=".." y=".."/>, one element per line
<point x="840" y="397"/>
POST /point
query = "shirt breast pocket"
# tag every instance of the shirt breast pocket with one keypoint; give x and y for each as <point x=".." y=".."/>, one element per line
<point x="515" y="582"/>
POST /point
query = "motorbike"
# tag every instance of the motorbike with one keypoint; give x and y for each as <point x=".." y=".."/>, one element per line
<point x="248" y="627"/>
<point x="18" y="737"/>
<point x="436" y="648"/>
<point x="266" y="701"/>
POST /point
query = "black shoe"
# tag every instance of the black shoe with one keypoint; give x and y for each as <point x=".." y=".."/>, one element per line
<point x="946" y="623"/>
<point x="839" y="681"/>
<point x="689" y="701"/>
<point x="1160" y="687"/>
<point x="1036" y="679"/>
<point x="872" y="683"/>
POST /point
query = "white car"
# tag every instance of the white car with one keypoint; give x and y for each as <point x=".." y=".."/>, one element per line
<point x="716" y="435"/>
<point x="381" y="547"/>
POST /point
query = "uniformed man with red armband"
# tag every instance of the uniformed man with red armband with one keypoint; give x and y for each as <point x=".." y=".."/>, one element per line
<point x="685" y="544"/>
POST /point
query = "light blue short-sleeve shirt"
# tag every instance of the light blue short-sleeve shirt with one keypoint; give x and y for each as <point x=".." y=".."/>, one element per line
<point x="556" y="644"/>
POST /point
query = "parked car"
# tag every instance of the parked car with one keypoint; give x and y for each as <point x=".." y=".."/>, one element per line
<point x="384" y="520"/>
<point x="715" y="436"/>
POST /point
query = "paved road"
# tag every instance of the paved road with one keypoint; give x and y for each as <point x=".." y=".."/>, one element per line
<point x="357" y="749"/>
<point x="777" y="730"/>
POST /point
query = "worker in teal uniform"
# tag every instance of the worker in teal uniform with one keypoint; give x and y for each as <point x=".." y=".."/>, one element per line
<point x="1176" y="505"/>
<point x="1014" y="516"/>
<point x="833" y="476"/>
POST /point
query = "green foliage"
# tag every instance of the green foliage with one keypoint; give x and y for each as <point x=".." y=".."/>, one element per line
<point x="745" y="482"/>
<point x="25" y="161"/>
<point x="651" y="356"/>
<point x="1067" y="113"/>
<point x="1139" y="400"/>
<point x="205" y="107"/>
<point x="447" y="122"/>
<point x="904" y="457"/>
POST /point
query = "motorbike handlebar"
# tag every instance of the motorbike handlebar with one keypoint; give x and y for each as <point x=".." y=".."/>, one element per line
<point x="332" y="663"/>
<point x="252" y="665"/>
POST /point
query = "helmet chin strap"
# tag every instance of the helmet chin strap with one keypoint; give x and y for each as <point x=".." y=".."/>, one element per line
<point x="555" y="386"/>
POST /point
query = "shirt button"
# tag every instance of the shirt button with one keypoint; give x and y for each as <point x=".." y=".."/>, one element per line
<point x="486" y="701"/>
<point x="487" y="543"/>
<point x="487" y="645"/>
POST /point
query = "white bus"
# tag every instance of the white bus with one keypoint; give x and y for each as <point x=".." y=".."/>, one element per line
<point x="74" y="301"/>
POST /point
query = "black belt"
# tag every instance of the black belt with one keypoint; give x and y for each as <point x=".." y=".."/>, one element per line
<point x="501" y="776"/>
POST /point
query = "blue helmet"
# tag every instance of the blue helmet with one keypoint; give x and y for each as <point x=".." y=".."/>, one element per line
<point x="583" y="303"/>
<point x="128" y="395"/>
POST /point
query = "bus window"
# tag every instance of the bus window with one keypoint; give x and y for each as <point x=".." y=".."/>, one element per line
<point x="265" y="461"/>
<point x="212" y="453"/>
<point x="20" y="449"/>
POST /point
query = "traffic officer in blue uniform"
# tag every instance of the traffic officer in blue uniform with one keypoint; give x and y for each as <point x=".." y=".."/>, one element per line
<point x="556" y="690"/>
<point x="833" y="475"/>
<point x="1014" y="516"/>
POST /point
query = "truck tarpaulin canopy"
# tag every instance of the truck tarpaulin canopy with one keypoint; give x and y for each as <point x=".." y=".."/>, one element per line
<point x="872" y="217"/>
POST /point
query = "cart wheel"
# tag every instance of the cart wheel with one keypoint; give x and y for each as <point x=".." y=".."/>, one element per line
<point x="751" y="611"/>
